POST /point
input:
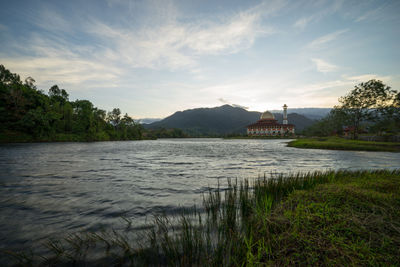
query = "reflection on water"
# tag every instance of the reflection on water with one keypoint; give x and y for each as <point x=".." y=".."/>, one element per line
<point x="51" y="189"/>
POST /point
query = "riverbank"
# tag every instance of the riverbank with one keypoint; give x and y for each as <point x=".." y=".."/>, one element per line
<point x="336" y="143"/>
<point x="9" y="137"/>
<point x="259" y="137"/>
<point x="331" y="218"/>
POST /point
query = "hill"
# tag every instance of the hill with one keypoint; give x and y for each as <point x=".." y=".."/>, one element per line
<point x="221" y="120"/>
<point x="147" y="120"/>
<point x="311" y="113"/>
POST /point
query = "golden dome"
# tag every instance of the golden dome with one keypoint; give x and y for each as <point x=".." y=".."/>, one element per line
<point x="267" y="116"/>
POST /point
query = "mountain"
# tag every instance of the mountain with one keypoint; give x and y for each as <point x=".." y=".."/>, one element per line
<point x="221" y="120"/>
<point x="311" y="113"/>
<point x="147" y="120"/>
<point x="300" y="121"/>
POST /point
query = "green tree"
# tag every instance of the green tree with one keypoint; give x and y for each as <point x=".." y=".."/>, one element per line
<point x="389" y="119"/>
<point x="68" y="117"/>
<point x="366" y="102"/>
<point x="331" y="124"/>
<point x="114" y="117"/>
<point x="83" y="123"/>
<point x="30" y="82"/>
<point x="8" y="78"/>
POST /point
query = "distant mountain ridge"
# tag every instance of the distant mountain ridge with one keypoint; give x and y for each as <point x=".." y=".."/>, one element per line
<point x="311" y="113"/>
<point x="148" y="120"/>
<point x="220" y="120"/>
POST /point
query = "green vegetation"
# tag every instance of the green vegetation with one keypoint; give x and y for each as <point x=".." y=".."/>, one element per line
<point x="257" y="137"/>
<point x="370" y="107"/>
<point x="331" y="218"/>
<point x="336" y="143"/>
<point x="164" y="133"/>
<point x="27" y="115"/>
<point x="368" y="101"/>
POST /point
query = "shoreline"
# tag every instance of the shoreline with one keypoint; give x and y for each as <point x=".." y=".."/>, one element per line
<point x="336" y="143"/>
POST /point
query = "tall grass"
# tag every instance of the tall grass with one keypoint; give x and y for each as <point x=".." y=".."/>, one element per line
<point x="227" y="233"/>
<point x="234" y="227"/>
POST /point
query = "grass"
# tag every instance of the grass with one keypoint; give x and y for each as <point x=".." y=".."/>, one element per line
<point x="336" y="143"/>
<point x="8" y="136"/>
<point x="259" y="137"/>
<point x="320" y="218"/>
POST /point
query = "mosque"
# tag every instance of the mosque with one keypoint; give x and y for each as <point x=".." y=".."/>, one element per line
<point x="268" y="126"/>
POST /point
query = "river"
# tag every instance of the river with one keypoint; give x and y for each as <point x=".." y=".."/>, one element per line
<point x="52" y="189"/>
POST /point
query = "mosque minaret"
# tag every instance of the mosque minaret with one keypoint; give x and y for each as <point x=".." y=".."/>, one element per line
<point x="285" y="121"/>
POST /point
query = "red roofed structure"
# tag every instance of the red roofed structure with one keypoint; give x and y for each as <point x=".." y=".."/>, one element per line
<point x="268" y="126"/>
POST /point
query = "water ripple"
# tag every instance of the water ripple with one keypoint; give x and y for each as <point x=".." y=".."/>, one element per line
<point x="59" y="188"/>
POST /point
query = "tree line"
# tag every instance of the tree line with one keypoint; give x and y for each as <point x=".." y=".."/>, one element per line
<point x="28" y="114"/>
<point x="371" y="107"/>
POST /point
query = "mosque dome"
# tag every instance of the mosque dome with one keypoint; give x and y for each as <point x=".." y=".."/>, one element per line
<point x="267" y="116"/>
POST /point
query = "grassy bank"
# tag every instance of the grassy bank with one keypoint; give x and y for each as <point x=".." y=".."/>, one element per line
<point x="259" y="137"/>
<point x="331" y="218"/>
<point x="336" y="143"/>
<point x="19" y="137"/>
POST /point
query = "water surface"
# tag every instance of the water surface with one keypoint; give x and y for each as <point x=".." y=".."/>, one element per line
<point x="51" y="189"/>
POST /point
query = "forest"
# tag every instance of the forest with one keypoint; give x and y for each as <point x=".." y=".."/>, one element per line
<point x="30" y="115"/>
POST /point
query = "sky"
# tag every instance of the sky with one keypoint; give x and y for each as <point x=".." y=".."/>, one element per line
<point x="152" y="58"/>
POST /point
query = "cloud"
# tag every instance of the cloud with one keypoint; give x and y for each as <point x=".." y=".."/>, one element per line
<point x="326" y="38"/>
<point x="52" y="21"/>
<point x="323" y="66"/>
<point x="332" y="89"/>
<point x="178" y="44"/>
<point x="52" y="60"/>
<point x="319" y="10"/>
<point x="229" y="37"/>
<point x="240" y="106"/>
<point x="367" y="77"/>
<point x="73" y="72"/>
<point x="371" y="14"/>
<point x="224" y="101"/>
<point x="302" y="23"/>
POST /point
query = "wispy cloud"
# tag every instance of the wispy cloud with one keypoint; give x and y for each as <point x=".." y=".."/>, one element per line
<point x="302" y="22"/>
<point x="326" y="38"/>
<point x="224" y="101"/>
<point x="367" y="77"/>
<point x="51" y="21"/>
<point x="324" y="9"/>
<point x="229" y="37"/>
<point x="323" y="66"/>
<point x="72" y="72"/>
<point x="52" y="60"/>
<point x="371" y="14"/>
<point x="176" y="44"/>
